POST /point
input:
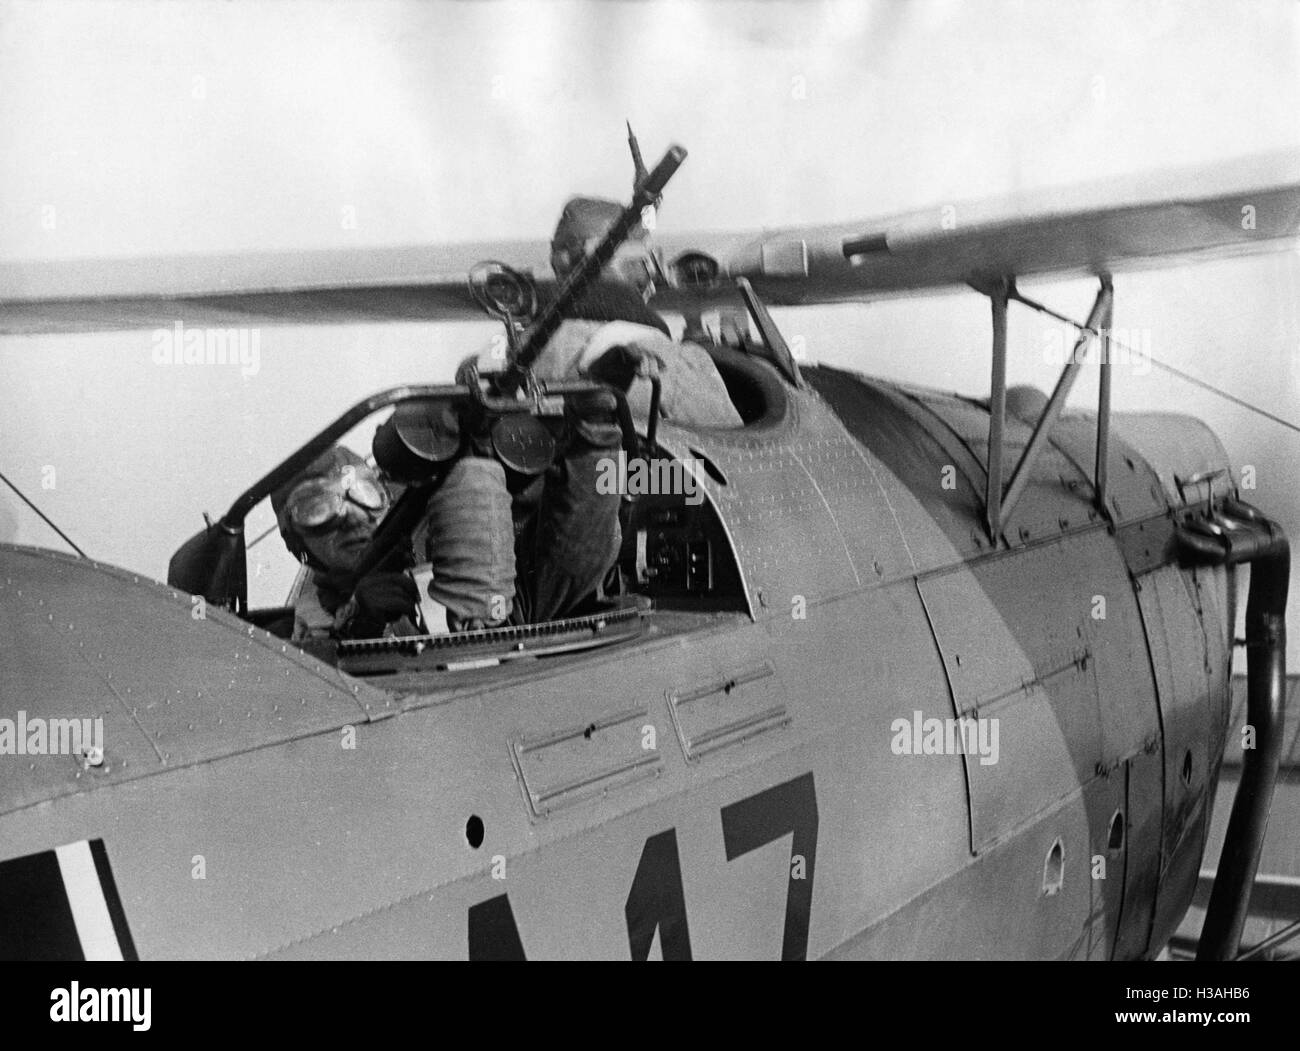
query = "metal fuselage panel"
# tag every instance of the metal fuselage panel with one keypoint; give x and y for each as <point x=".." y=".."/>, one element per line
<point x="173" y="681"/>
<point x="735" y="791"/>
<point x="1058" y="637"/>
<point x="314" y="848"/>
<point x="1190" y="653"/>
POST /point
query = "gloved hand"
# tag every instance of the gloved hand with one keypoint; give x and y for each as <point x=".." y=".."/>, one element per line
<point x="620" y="365"/>
<point x="377" y="600"/>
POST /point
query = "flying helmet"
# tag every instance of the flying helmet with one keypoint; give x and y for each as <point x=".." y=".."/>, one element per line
<point x="320" y="492"/>
<point x="584" y="221"/>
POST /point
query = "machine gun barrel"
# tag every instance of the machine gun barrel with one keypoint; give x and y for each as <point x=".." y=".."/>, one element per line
<point x="647" y="191"/>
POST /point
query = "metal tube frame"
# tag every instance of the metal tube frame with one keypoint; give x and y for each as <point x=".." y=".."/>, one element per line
<point x="1103" y="415"/>
<point x="1286" y="934"/>
<point x="1000" y="504"/>
<point x="997" y="411"/>
<point x="233" y="520"/>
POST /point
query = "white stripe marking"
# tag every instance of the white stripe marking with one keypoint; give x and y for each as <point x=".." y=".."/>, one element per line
<point x="86" y="897"/>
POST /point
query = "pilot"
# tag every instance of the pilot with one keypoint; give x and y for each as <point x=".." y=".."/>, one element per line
<point x="327" y="515"/>
<point x="610" y="335"/>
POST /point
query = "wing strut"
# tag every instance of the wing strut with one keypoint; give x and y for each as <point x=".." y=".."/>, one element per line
<point x="999" y="505"/>
<point x="997" y="411"/>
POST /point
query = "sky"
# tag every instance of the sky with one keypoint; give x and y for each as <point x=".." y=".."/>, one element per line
<point x="142" y="129"/>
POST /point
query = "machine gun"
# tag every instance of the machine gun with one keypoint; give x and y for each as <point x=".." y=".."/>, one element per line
<point x="512" y="297"/>
<point x="422" y="438"/>
<point x="507" y="294"/>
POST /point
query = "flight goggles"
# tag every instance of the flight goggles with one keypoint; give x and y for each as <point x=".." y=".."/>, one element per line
<point x="319" y="502"/>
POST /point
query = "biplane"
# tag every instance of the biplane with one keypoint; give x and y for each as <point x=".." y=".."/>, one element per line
<point x="773" y="750"/>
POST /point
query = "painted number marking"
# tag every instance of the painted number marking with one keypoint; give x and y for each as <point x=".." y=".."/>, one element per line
<point x="760" y="819"/>
<point x="656" y="900"/>
<point x="493" y="933"/>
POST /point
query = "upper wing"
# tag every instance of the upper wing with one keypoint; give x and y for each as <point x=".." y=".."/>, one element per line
<point x="1244" y="206"/>
<point x="369" y="284"/>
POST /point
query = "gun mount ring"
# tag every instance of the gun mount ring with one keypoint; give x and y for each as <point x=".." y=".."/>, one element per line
<point x="503" y="291"/>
